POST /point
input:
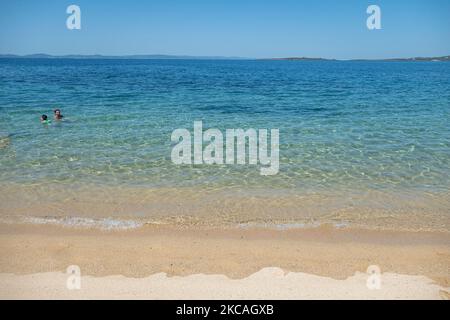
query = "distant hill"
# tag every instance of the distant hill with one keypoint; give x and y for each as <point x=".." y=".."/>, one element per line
<point x="443" y="58"/>
<point x="98" y="56"/>
<point x="174" y="57"/>
<point x="299" y="59"/>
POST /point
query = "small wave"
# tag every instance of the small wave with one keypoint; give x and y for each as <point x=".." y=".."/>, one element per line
<point x="103" y="224"/>
<point x="287" y="226"/>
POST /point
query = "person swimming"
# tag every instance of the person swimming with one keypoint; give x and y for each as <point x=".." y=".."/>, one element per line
<point x="58" y="115"/>
<point x="44" y="119"/>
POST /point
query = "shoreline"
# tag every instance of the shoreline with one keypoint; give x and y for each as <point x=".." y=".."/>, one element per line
<point x="197" y="207"/>
<point x="332" y="254"/>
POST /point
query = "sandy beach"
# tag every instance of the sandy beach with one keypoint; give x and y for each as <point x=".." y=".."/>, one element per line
<point x="269" y="283"/>
<point x="160" y="262"/>
<point x="225" y="150"/>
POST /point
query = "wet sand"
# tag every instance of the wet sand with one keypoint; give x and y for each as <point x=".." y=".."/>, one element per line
<point x="234" y="253"/>
<point x="198" y="207"/>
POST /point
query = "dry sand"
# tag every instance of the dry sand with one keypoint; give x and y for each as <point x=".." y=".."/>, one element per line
<point x="269" y="283"/>
<point x="169" y="262"/>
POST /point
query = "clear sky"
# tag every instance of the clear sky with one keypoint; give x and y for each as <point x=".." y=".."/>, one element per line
<point x="245" y="28"/>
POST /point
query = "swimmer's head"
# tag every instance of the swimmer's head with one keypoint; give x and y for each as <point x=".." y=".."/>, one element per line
<point x="44" y="117"/>
<point x="57" y="113"/>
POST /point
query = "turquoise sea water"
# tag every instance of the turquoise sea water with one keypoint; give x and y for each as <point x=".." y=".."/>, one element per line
<point x="344" y="126"/>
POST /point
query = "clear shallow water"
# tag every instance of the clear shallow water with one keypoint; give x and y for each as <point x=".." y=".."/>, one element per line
<point x="345" y="127"/>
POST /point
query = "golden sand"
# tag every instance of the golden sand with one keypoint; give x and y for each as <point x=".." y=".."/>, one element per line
<point x="237" y="253"/>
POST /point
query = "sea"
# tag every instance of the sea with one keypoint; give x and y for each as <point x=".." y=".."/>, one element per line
<point x="361" y="143"/>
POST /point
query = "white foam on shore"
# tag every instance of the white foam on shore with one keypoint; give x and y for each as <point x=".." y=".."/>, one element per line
<point x="111" y="224"/>
<point x="78" y="222"/>
<point x="288" y="226"/>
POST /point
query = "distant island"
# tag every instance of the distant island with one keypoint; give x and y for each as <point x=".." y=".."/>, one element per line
<point x="443" y="58"/>
<point x="174" y="57"/>
<point x="99" y="56"/>
<point x="299" y="59"/>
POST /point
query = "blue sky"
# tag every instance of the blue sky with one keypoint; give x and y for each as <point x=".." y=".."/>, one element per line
<point x="245" y="28"/>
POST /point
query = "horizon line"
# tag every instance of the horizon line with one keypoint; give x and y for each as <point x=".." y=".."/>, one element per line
<point x="186" y="57"/>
